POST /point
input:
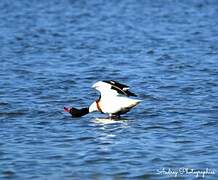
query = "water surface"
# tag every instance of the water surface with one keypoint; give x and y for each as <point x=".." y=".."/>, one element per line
<point x="52" y="52"/>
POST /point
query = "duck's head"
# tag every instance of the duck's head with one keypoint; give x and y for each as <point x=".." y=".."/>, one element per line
<point x="77" y="112"/>
<point x="83" y="111"/>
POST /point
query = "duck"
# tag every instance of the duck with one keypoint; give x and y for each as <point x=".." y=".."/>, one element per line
<point x="115" y="99"/>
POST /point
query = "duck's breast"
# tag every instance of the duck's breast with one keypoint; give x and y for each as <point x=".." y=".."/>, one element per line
<point x="117" y="104"/>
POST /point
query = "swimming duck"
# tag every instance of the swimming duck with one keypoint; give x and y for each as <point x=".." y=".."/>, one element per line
<point x="114" y="100"/>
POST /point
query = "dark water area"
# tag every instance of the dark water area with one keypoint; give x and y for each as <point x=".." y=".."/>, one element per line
<point x="53" y="51"/>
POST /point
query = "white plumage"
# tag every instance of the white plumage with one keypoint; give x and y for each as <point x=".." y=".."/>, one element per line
<point x="114" y="98"/>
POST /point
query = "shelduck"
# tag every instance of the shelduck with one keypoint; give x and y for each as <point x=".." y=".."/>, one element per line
<point x="114" y="100"/>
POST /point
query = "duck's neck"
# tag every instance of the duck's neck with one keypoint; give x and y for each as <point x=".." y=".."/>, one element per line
<point x="83" y="111"/>
<point x="77" y="112"/>
<point x="93" y="107"/>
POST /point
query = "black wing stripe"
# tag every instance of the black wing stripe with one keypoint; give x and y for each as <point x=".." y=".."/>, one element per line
<point x="120" y="85"/>
<point x="120" y="88"/>
<point x="130" y="93"/>
<point x="120" y="91"/>
<point x="117" y="84"/>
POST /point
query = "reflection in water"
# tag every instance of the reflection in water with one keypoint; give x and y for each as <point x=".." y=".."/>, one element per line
<point x="108" y="130"/>
<point x="109" y="121"/>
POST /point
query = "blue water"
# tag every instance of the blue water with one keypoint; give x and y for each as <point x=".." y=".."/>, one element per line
<point x="52" y="52"/>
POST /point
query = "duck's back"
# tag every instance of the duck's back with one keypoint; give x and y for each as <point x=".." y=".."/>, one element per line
<point x="116" y="104"/>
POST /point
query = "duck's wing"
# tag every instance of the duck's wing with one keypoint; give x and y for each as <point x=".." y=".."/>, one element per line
<point x="120" y="88"/>
<point x="117" y="84"/>
<point x="112" y="87"/>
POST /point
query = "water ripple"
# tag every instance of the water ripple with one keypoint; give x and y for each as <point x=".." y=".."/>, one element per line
<point x="53" y="51"/>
